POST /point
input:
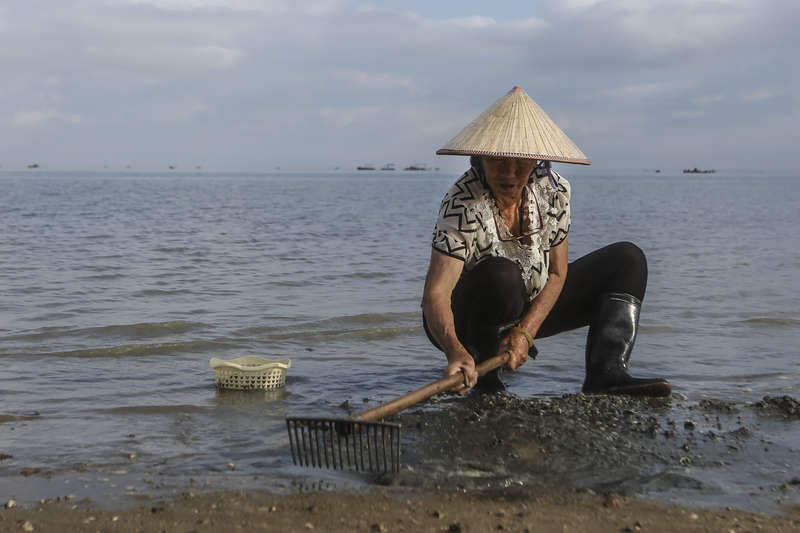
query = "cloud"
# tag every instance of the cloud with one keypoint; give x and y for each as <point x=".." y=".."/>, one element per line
<point x="707" y="99"/>
<point x="645" y="90"/>
<point x="373" y="80"/>
<point x="756" y="94"/>
<point x="342" y="117"/>
<point x="471" y="23"/>
<point x="37" y="117"/>
<point x="163" y="58"/>
<point x="380" y="79"/>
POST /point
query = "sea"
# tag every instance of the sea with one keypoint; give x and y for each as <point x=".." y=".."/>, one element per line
<point x="117" y="288"/>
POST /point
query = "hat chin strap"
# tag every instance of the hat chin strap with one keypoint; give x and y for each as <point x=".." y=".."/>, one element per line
<point x="545" y="165"/>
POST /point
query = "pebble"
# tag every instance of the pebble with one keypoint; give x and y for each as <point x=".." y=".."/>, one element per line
<point x="690" y="424"/>
<point x="27" y="526"/>
<point x="694" y="516"/>
<point x="231" y="466"/>
<point x="308" y="525"/>
<point x="379" y="528"/>
<point x="438" y="514"/>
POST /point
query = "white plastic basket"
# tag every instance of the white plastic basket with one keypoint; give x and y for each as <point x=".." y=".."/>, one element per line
<point x="250" y="373"/>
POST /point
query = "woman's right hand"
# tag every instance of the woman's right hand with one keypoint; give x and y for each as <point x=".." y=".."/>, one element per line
<point x="461" y="361"/>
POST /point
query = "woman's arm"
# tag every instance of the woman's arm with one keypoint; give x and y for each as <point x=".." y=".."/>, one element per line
<point x="515" y="342"/>
<point x="443" y="274"/>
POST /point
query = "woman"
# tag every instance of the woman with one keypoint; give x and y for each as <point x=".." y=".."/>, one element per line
<point x="498" y="275"/>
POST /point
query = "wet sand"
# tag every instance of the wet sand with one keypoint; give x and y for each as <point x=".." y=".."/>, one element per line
<point x="385" y="510"/>
<point x="497" y="462"/>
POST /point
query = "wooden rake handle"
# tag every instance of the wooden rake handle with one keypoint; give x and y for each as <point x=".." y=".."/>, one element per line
<point x="421" y="394"/>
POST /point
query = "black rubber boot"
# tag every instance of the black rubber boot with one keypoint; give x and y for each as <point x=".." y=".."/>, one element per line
<point x="612" y="332"/>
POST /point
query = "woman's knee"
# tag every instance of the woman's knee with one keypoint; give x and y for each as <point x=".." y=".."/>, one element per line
<point x="629" y="254"/>
<point x="498" y="274"/>
<point x="633" y="267"/>
<point x="494" y="287"/>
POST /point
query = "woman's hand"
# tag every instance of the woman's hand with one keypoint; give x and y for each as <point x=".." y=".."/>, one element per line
<point x="515" y="343"/>
<point x="461" y="361"/>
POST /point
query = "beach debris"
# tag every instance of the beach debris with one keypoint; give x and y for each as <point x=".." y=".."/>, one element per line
<point x="690" y="425"/>
<point x="612" y="500"/>
<point x="10" y="504"/>
<point x="231" y="466"/>
<point x="786" y="405"/>
<point x="380" y="528"/>
<point x="455" y="527"/>
<point x="28" y="471"/>
<point x="694" y="516"/>
<point x="437" y="514"/>
<point x="308" y="525"/>
<point x="27" y="526"/>
<point x="131" y="456"/>
<point x="4" y="456"/>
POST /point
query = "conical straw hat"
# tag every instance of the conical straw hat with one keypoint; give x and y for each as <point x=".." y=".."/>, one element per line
<point x="515" y="126"/>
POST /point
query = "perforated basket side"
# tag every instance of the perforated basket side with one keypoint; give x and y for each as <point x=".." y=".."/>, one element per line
<point x="229" y="378"/>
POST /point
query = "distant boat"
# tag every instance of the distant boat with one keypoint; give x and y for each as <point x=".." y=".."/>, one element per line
<point x="388" y="166"/>
<point x="365" y="167"/>
<point x="33" y="165"/>
<point x="415" y="167"/>
<point x="696" y="170"/>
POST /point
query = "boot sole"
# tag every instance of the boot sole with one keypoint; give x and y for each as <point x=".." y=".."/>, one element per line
<point x="657" y="389"/>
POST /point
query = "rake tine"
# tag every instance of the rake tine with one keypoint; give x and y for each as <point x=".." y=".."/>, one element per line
<point x="383" y="447"/>
<point x="396" y="453"/>
<point x="312" y="451"/>
<point x="291" y="443"/>
<point x="335" y="435"/>
<point x="347" y="448"/>
<point x="320" y="449"/>
<point x="325" y="444"/>
<point x="300" y="437"/>
<point x="301" y="445"/>
<point x="370" y="441"/>
<point x="332" y="434"/>
<point x="360" y="448"/>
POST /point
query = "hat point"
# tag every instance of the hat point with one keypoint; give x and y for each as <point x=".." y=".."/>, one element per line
<point x="516" y="88"/>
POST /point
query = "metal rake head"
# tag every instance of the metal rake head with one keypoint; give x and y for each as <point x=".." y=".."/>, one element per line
<point x="343" y="444"/>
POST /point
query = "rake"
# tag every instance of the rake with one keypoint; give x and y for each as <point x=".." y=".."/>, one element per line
<point x="362" y="442"/>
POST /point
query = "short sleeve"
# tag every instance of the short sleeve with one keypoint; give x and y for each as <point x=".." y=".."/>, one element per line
<point x="560" y="210"/>
<point x="448" y="236"/>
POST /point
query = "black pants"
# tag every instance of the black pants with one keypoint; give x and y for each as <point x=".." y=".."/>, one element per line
<point x="491" y="297"/>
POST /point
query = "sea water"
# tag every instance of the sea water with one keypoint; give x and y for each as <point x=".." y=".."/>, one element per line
<point x="117" y="288"/>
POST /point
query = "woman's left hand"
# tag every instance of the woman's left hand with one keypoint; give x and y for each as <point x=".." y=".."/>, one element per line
<point x="517" y="345"/>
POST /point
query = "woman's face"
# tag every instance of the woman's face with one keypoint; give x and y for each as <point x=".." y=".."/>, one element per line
<point x="507" y="176"/>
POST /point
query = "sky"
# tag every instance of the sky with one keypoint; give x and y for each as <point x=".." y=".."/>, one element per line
<point x="252" y="85"/>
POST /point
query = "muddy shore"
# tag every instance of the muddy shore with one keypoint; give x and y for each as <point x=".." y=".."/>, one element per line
<point x="385" y="510"/>
<point x="498" y="462"/>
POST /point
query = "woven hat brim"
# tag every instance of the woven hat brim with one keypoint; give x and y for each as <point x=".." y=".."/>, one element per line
<point x="538" y="157"/>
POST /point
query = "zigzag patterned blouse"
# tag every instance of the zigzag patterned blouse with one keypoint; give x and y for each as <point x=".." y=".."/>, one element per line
<point x="469" y="222"/>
